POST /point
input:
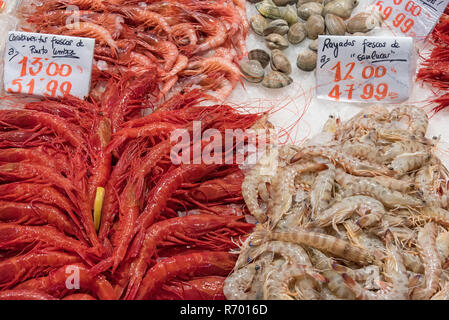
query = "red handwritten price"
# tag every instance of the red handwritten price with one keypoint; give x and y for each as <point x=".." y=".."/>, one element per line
<point x="369" y="90"/>
<point x="48" y="65"/>
<point x="409" y="17"/>
<point x="34" y="67"/>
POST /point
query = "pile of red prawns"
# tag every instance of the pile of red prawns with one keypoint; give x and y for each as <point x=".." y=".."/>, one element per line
<point x="189" y="42"/>
<point x="435" y="70"/>
<point x="166" y="230"/>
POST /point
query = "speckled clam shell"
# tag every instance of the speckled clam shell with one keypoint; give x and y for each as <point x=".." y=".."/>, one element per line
<point x="268" y="9"/>
<point x="278" y="26"/>
<point x="252" y="70"/>
<point x="260" y="55"/>
<point x="363" y="22"/>
<point x="315" y="26"/>
<point x="279" y="62"/>
<point x="297" y="33"/>
<point x="258" y="24"/>
<point x="310" y="8"/>
<point x="335" y="25"/>
<point x="307" y="60"/>
<point x="276" y="80"/>
<point x="341" y="8"/>
<point x="276" y="41"/>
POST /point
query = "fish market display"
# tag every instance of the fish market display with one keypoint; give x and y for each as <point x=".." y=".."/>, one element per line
<point x="187" y="42"/>
<point x="164" y="230"/>
<point x="361" y="215"/>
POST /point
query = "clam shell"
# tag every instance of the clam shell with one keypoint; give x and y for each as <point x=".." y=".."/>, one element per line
<point x="307" y="60"/>
<point x="252" y="70"/>
<point x="260" y="55"/>
<point x="301" y="2"/>
<point x="289" y="14"/>
<point x="314" y="45"/>
<point x="297" y="33"/>
<point x="341" y="8"/>
<point x="258" y="24"/>
<point x="315" y="26"/>
<point x="276" y="41"/>
<point x="278" y="26"/>
<point x="268" y="9"/>
<point x="279" y="62"/>
<point x="283" y="2"/>
<point x="276" y="80"/>
<point x="335" y="25"/>
<point x="363" y="22"/>
<point x="308" y="9"/>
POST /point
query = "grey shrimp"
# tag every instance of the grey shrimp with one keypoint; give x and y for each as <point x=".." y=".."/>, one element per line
<point x="390" y="198"/>
<point x="236" y="285"/>
<point x="263" y="172"/>
<point x="348" y="163"/>
<point x="418" y="120"/>
<point x="283" y="189"/>
<point x="407" y="162"/>
<point x="320" y="241"/>
<point x="321" y="192"/>
<point x="432" y="264"/>
<point x="395" y="268"/>
<point x="371" y="211"/>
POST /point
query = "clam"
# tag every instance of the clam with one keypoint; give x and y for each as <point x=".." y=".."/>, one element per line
<point x="341" y="8"/>
<point x="283" y="2"/>
<point x="297" y="33"/>
<point x="335" y="25"/>
<point x="288" y="13"/>
<point x="301" y="2"/>
<point x="258" y="24"/>
<point x="260" y="55"/>
<point x="315" y="26"/>
<point x="279" y="62"/>
<point x="314" y="45"/>
<point x="308" y="9"/>
<point x="276" y="41"/>
<point x="268" y="9"/>
<point x="278" y="26"/>
<point x="307" y="60"/>
<point x="276" y="80"/>
<point x="363" y="22"/>
<point x="252" y="70"/>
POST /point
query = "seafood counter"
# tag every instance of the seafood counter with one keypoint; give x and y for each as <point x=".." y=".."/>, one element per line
<point x="362" y="216"/>
<point x="137" y="193"/>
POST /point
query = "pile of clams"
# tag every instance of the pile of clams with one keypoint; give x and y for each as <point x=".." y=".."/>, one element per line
<point x="282" y="24"/>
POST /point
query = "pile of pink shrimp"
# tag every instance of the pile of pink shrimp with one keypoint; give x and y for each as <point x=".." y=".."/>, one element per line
<point x="187" y="42"/>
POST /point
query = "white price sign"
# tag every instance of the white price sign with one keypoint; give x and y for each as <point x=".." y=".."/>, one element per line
<point x="364" y="69"/>
<point x="414" y="18"/>
<point x="48" y="65"/>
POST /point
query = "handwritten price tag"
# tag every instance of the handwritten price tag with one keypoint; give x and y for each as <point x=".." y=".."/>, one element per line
<point x="414" y="18"/>
<point x="48" y="65"/>
<point x="364" y="69"/>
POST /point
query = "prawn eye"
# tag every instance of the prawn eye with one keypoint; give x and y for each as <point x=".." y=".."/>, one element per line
<point x="391" y="168"/>
<point x="257" y="267"/>
<point x="249" y="259"/>
<point x="331" y="116"/>
<point x="365" y="116"/>
<point x="250" y="243"/>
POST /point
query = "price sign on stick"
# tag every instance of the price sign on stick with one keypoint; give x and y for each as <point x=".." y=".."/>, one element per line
<point x="414" y="18"/>
<point x="48" y="65"/>
<point x="364" y="69"/>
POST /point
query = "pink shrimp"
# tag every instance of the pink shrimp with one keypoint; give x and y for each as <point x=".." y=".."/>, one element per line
<point x="147" y="18"/>
<point x="180" y="65"/>
<point x="91" y="30"/>
<point x="215" y="29"/>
